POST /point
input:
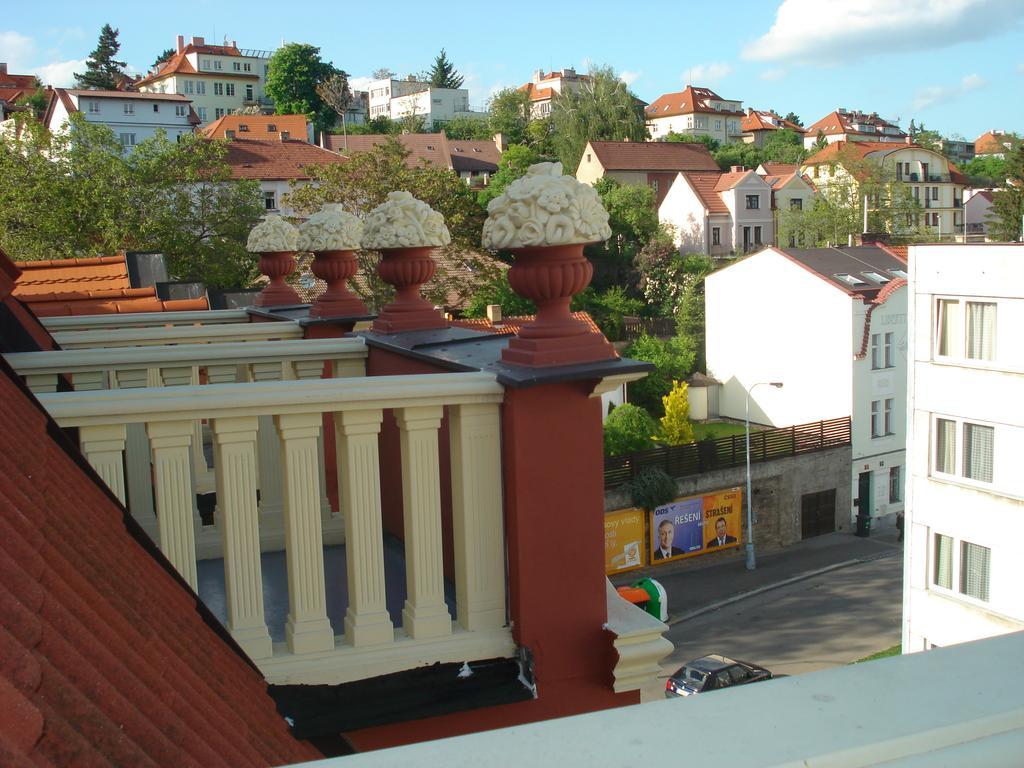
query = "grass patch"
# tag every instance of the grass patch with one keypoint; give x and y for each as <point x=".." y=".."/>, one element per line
<point x="896" y="650"/>
<point x="715" y="429"/>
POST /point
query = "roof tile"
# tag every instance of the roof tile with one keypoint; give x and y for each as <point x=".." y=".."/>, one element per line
<point x="653" y="156"/>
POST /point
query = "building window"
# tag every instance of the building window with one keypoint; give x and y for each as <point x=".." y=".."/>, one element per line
<point x="216" y="64"/>
<point x="716" y="235"/>
<point x="889" y="350"/>
<point x="206" y="63"/>
<point x="753" y="202"/>
<point x="945" y="446"/>
<point x="654" y="186"/>
<point x="876" y="418"/>
<point x="876" y="351"/>
<point x="978" y="445"/>
<point x="200" y="87"/>
<point x="796" y="204"/>
<point x="935" y="193"/>
<point x="188" y="86"/>
<point x="270" y="201"/>
<point x="180" y="110"/>
<point x="247" y="67"/>
<point x="156" y="107"/>
<point x="218" y="113"/>
<point x="976" y="341"/>
<point x="230" y="89"/>
<point x="248" y="93"/>
<point x="218" y="89"/>
<point x="129" y="108"/>
<point x="127" y="139"/>
<point x="895" y="484"/>
<point x="718" y="125"/>
<point x="94" y="106"/>
<point x="887" y="415"/>
<point x="202" y="113"/>
<point x="942" y="575"/>
<point x="974" y="570"/>
<point x="981" y="330"/>
<point x="757" y="235"/>
<point x="237" y="65"/>
<point x="949" y="327"/>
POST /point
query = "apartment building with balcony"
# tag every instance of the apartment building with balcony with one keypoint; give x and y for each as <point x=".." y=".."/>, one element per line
<point x="217" y="78"/>
<point x="965" y="493"/>
<point x="133" y="117"/>
<point x="406" y="99"/>
<point x="545" y="86"/>
<point x="695" y="111"/>
<point x="930" y="178"/>
<point x="852" y="125"/>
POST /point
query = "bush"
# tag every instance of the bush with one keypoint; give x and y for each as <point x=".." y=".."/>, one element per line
<point x="676" y="428"/>
<point x="673" y="361"/>
<point x="651" y="488"/>
<point x="628" y="429"/>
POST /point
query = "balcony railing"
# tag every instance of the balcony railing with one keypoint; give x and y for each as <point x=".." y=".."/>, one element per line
<point x="242" y="419"/>
<point x="144" y="320"/>
<point x="177" y="334"/>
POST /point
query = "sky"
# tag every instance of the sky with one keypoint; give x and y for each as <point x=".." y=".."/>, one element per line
<point x="955" y="65"/>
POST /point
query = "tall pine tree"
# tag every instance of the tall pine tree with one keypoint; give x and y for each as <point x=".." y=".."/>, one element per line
<point x="443" y="74"/>
<point x="102" y="70"/>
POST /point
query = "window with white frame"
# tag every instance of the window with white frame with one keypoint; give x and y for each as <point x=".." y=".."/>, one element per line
<point x="753" y="202"/>
<point x="230" y="89"/>
<point x="237" y="66"/>
<point x="964" y="449"/>
<point x="716" y="235"/>
<point x="129" y="108"/>
<point x="270" y="200"/>
<point x="942" y="569"/>
<point x="218" y="113"/>
<point x="200" y="87"/>
<point x="217" y="64"/>
<point x="218" y="89"/>
<point x="975" y="562"/>
<point x="887" y="415"/>
<point x="966" y="329"/>
<point x="888" y="346"/>
<point x="876" y="351"/>
<point x="188" y="86"/>
<point x="876" y="418"/>
<point x="202" y="113"/>
<point x="127" y="139"/>
<point x="895" y="484"/>
<point x="94" y="106"/>
<point x="180" y="110"/>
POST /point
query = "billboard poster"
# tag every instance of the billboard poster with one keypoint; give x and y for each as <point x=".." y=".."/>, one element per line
<point x="695" y="525"/>
<point x="624" y="540"/>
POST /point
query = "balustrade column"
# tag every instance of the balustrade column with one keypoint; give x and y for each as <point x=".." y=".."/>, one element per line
<point x="478" y="527"/>
<point x="425" y="613"/>
<point x="307" y="629"/>
<point x="234" y="444"/>
<point x="271" y="502"/>
<point x="366" y="620"/>
<point x="137" y="456"/>
<point x="175" y="500"/>
<point x="103" y="447"/>
<point x="313" y="370"/>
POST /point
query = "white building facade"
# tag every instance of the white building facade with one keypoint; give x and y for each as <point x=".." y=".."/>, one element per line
<point x="403" y="99"/>
<point x="133" y="117"/>
<point x="963" y="567"/>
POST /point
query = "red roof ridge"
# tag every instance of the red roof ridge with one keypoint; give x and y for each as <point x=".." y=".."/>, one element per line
<point x="889" y="289"/>
<point x="86" y="262"/>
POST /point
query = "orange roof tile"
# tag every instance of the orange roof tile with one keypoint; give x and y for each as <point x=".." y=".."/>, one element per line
<point x="990" y="143"/>
<point x="704" y="185"/>
<point x="514" y="325"/>
<point x="270" y="160"/>
<point x="179" y="64"/>
<point x="687" y="101"/>
<point x="258" y="126"/>
<point x="859" y="149"/>
<point x="729" y="180"/>
<point x="7" y="80"/>
<point x="779" y="169"/>
<point x="837" y="122"/>
<point x="766" y="121"/>
<point x="653" y="156"/>
<point x="71" y="276"/>
<point x="431" y="148"/>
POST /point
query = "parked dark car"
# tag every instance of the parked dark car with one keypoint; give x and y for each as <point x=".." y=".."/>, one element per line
<point x="710" y="673"/>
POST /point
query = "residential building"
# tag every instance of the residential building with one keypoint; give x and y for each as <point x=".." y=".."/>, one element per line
<point x="12" y="88"/>
<point x="963" y="566"/>
<point x="404" y="99"/>
<point x="655" y="164"/>
<point x="719" y="213"/>
<point x="996" y="143"/>
<point x="133" y="117"/>
<point x="695" y="111"/>
<point x="977" y="211"/>
<point x="830" y="325"/>
<point x="260" y="127"/>
<point x="217" y="78"/>
<point x="544" y="86"/>
<point x="791" y="191"/>
<point x="473" y="161"/>
<point x="279" y="165"/>
<point x="756" y="125"/>
<point x="933" y="181"/>
<point x="959" y="152"/>
<point x="852" y="125"/>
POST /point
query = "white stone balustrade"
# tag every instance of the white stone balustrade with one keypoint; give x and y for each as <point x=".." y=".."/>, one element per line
<point x="177" y="334"/>
<point x="144" y="320"/>
<point x="369" y="643"/>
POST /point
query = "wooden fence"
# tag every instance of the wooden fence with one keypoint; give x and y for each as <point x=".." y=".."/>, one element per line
<point x="724" y="452"/>
<point x="635" y="327"/>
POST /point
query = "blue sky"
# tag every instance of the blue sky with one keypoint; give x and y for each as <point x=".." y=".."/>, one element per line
<point x="956" y="65"/>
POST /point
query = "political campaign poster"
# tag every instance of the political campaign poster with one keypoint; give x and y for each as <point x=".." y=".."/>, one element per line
<point x="695" y="525"/>
<point x="624" y="540"/>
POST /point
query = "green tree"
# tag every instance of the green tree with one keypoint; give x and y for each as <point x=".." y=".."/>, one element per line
<point x="608" y="308"/>
<point x="986" y="171"/>
<point x="443" y="73"/>
<point x="383" y="73"/>
<point x="540" y="136"/>
<point x="783" y="146"/>
<point x="498" y="291"/>
<point x="164" y="56"/>
<point x="37" y="101"/>
<point x="382" y="124"/>
<point x="336" y="93"/>
<point x="690" y="318"/>
<point x="509" y="112"/>
<point x="676" y="428"/>
<point x="659" y="266"/>
<point x="633" y="219"/>
<point x="102" y="69"/>
<point x="464" y="128"/>
<point x="926" y="138"/>
<point x="294" y="72"/>
<point x="685" y="138"/>
<point x="739" y="153"/>
<point x="672" y="359"/>
<point x="603" y="109"/>
<point x="1008" y="203"/>
<point x="513" y="164"/>
<point x="628" y="429"/>
<point x="794" y="118"/>
<point x="364" y="181"/>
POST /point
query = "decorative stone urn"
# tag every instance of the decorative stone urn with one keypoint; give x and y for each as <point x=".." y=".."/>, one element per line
<point x="545" y="219"/>
<point x="406" y="231"/>
<point x="276" y="241"/>
<point x="333" y="235"/>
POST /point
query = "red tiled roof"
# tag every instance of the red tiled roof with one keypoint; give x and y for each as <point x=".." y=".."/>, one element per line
<point x="704" y="185"/>
<point x="179" y="64"/>
<point x="890" y="288"/>
<point x="7" y="80"/>
<point x="835" y="151"/>
<point x="990" y="143"/>
<point x="515" y="324"/>
<point x="835" y="123"/>
<point x="431" y="148"/>
<point x="653" y="156"/>
<point x="258" y="126"/>
<point x="108" y="656"/>
<point x="275" y="159"/>
<point x="10" y="95"/>
<point x="729" y="180"/>
<point x="71" y="276"/>
<point x="536" y="93"/>
<point x="766" y="121"/>
<point x="29" y="331"/>
<point x="780" y="169"/>
<point x="687" y="101"/>
<point x="474" y="155"/>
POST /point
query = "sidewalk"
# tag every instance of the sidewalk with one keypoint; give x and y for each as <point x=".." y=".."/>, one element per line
<point x="693" y="590"/>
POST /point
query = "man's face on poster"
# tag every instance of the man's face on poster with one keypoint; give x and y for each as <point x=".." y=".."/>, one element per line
<point x="665" y="532"/>
<point x="720" y="528"/>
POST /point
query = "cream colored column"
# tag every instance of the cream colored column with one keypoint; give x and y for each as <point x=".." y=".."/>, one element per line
<point x="137" y="457"/>
<point x="310" y="370"/>
<point x="366" y="620"/>
<point x="477" y="519"/>
<point x="425" y="613"/>
<point x="307" y="629"/>
<point x="202" y="478"/>
<point x="175" y="501"/>
<point x="103" y="447"/>
<point x="234" y="445"/>
<point x="271" y="502"/>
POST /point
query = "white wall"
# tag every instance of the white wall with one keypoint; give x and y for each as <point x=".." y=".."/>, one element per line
<point x="769" y="319"/>
<point x="762" y="216"/>
<point x="987" y="392"/>
<point x="878" y="455"/>
<point x="685" y="213"/>
<point x="143" y="122"/>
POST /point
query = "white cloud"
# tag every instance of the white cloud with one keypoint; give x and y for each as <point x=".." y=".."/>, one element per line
<point x="629" y="77"/>
<point x="17" y="49"/>
<point x="60" y="74"/>
<point x="772" y="74"/>
<point x="706" y="74"/>
<point x="927" y="97"/>
<point x="23" y="57"/>
<point x="836" y="31"/>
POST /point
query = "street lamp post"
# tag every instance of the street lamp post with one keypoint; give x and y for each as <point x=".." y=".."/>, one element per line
<point x="751" y="560"/>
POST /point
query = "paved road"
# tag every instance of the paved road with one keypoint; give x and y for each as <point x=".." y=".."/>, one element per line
<point x="822" y="622"/>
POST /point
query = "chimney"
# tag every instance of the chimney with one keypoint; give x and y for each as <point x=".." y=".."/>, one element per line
<point x="500" y="142"/>
<point x="284" y="135"/>
<point x="234" y="43"/>
<point x="494" y="314"/>
<point x="737" y="169"/>
<point x="909" y="140"/>
<point x="537" y="75"/>
<point x="229" y="134"/>
<point x="198" y="40"/>
<point x="3" y="67"/>
<point x="180" y="43"/>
